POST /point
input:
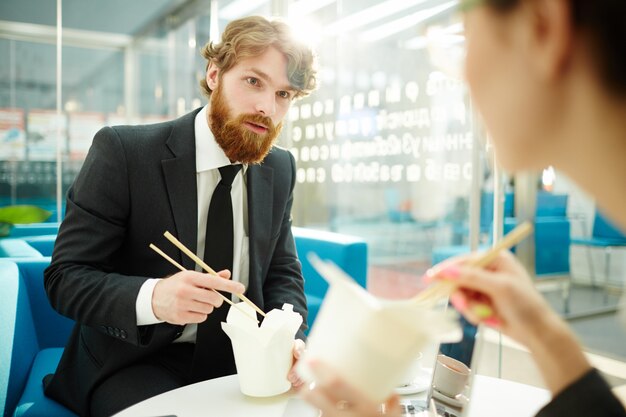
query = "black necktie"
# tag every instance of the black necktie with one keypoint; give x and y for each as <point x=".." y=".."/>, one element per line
<point x="213" y="355"/>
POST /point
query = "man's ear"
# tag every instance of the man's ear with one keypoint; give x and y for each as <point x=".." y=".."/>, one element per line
<point x="212" y="76"/>
<point x="551" y="36"/>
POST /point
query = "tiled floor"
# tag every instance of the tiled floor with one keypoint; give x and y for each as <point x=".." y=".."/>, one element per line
<point x="603" y="333"/>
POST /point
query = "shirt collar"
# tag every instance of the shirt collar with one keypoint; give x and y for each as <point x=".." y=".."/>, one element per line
<point x="209" y="155"/>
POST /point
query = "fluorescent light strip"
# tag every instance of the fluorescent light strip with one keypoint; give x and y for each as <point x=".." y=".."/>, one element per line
<point x="239" y="8"/>
<point x="421" y="42"/>
<point x="305" y="7"/>
<point x="404" y="23"/>
<point x="369" y="15"/>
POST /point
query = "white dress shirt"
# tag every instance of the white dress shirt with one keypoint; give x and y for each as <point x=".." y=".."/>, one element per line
<point x="209" y="157"/>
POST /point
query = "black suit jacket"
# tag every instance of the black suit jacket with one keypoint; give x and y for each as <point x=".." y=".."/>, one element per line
<point x="590" y="395"/>
<point x="136" y="183"/>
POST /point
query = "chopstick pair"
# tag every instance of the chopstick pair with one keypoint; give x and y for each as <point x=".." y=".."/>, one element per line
<point x="441" y="289"/>
<point x="207" y="268"/>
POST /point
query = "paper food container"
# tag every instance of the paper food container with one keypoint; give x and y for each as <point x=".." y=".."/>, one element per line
<point x="263" y="355"/>
<point x="368" y="341"/>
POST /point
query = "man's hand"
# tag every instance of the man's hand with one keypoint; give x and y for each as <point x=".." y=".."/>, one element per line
<point x="292" y="376"/>
<point x="186" y="297"/>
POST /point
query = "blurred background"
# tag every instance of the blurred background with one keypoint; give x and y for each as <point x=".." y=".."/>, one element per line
<point x="388" y="149"/>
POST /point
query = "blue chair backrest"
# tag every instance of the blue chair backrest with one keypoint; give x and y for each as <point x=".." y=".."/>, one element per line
<point x="43" y="243"/>
<point x="604" y="228"/>
<point x="19" y="338"/>
<point x="17" y="248"/>
<point x="35" y="325"/>
<point x="52" y="329"/>
<point x="34" y="229"/>
<point x="348" y="252"/>
<point x="486" y="209"/>
<point x="549" y="204"/>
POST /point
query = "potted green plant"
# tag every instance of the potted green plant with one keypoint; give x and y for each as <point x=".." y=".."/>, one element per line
<point x="20" y="214"/>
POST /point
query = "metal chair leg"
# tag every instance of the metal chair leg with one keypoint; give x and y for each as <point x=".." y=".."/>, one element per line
<point x="607" y="272"/>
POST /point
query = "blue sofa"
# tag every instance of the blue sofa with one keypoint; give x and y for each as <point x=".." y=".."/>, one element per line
<point x="33" y="337"/>
<point x="42" y="243"/>
<point x="347" y="252"/>
<point x="17" y="248"/>
<point x="34" y="229"/>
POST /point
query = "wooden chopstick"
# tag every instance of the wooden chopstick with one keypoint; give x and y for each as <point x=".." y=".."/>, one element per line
<point x="441" y="289"/>
<point x="182" y="268"/>
<point x="207" y="268"/>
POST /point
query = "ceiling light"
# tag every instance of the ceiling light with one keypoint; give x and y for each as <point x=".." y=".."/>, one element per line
<point x="370" y="15"/>
<point x="304" y="7"/>
<point x="404" y="23"/>
<point x="239" y="8"/>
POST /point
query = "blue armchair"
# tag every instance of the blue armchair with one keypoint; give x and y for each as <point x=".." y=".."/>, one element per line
<point x="17" y="248"/>
<point x="348" y="252"/>
<point x="34" y="229"/>
<point x="606" y="236"/>
<point x="33" y="336"/>
<point x="42" y="243"/>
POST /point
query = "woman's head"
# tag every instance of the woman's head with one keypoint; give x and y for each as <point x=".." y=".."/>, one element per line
<point x="533" y="65"/>
<point x="250" y="37"/>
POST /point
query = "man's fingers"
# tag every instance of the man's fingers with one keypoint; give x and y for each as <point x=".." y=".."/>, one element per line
<point x="218" y="283"/>
<point x="225" y="273"/>
<point x="298" y="348"/>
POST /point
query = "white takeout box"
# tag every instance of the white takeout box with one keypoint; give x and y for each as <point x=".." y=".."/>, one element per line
<point x="263" y="355"/>
<point x="368" y="341"/>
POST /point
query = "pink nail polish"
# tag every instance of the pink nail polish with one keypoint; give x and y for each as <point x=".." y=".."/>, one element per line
<point x="451" y="272"/>
<point x="428" y="276"/>
<point x="492" y="321"/>
<point x="459" y="302"/>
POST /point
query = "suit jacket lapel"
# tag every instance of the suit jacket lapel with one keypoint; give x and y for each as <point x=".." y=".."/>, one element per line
<point x="180" y="178"/>
<point x="260" y="208"/>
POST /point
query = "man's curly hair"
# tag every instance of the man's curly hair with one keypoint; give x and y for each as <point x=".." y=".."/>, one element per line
<point x="251" y="36"/>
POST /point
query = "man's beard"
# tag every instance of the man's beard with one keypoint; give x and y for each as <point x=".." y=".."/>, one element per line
<point x="239" y="143"/>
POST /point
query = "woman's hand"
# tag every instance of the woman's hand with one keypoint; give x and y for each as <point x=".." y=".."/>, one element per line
<point x="336" y="398"/>
<point x="503" y="296"/>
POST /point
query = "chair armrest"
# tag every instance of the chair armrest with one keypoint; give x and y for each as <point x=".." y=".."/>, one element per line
<point x="17" y="332"/>
<point x="17" y="248"/>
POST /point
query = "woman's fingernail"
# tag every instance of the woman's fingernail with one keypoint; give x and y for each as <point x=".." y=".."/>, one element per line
<point x="459" y="302"/>
<point x="451" y="272"/>
<point x="428" y="276"/>
<point x="492" y="321"/>
<point x="482" y="311"/>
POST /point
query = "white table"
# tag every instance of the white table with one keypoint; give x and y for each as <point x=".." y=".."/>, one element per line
<point x="491" y="397"/>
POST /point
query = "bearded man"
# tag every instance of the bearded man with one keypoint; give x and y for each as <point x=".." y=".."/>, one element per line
<point x="213" y="178"/>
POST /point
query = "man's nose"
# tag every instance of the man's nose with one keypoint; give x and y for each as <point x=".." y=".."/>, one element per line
<point x="266" y="105"/>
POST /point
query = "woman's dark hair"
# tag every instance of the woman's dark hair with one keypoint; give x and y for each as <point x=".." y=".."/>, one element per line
<point x="604" y="21"/>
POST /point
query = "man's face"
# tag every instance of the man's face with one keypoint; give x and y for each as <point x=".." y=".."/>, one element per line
<point x="248" y="105"/>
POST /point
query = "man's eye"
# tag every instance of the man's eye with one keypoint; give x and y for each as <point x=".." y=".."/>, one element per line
<point x="284" y="94"/>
